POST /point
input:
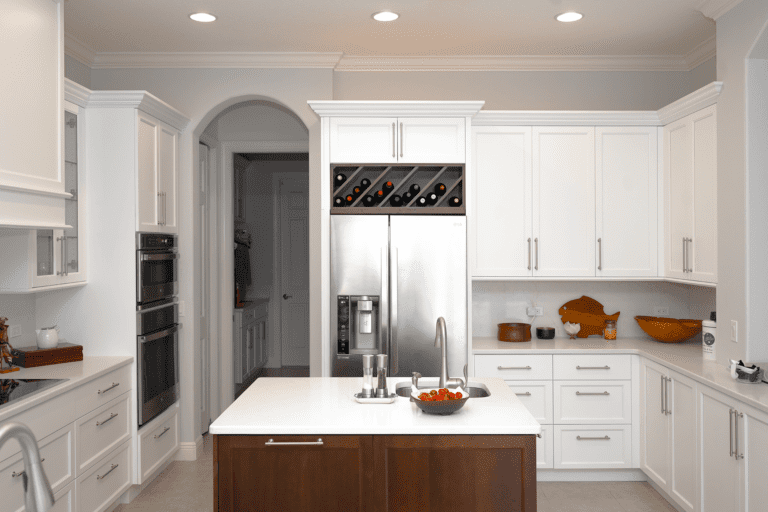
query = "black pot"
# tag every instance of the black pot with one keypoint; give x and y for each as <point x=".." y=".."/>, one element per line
<point x="545" y="333"/>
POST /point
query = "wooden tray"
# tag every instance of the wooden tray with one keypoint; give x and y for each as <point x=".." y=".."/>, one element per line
<point x="31" y="357"/>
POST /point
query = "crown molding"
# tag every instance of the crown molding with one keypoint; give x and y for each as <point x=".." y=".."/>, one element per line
<point x="691" y="103"/>
<point x="702" y="52"/>
<point x="78" y="50"/>
<point x="327" y="108"/>
<point x="565" y="118"/>
<point x="109" y="60"/>
<point x="716" y="8"/>
<point x="76" y="93"/>
<point x="141" y="100"/>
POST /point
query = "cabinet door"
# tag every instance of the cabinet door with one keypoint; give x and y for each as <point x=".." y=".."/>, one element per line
<point x="678" y="191"/>
<point x="720" y="471"/>
<point x="627" y="197"/>
<point x="72" y="267"/>
<point x="683" y="486"/>
<point x="753" y="444"/>
<point x="501" y="243"/>
<point x="424" y="140"/>
<point x="654" y="423"/>
<point x="258" y="474"/>
<point x="238" y="333"/>
<point x="363" y="140"/>
<point x="253" y="358"/>
<point x="564" y="201"/>
<point x="457" y="473"/>
<point x="147" y="175"/>
<point x="168" y="169"/>
<point x="703" y="249"/>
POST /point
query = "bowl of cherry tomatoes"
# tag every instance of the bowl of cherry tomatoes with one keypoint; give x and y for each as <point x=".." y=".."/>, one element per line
<point x="441" y="401"/>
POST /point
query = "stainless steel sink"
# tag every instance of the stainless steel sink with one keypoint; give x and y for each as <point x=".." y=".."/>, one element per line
<point x="475" y="389"/>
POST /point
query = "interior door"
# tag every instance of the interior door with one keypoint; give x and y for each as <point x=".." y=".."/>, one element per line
<point x="294" y="272"/>
<point x="678" y="162"/>
<point x="205" y="292"/>
<point x="654" y="459"/>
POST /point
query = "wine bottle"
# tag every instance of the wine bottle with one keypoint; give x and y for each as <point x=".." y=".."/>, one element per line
<point x="388" y="187"/>
<point x="339" y="179"/>
<point x="350" y="199"/>
<point x="415" y="189"/>
<point x="440" y="189"/>
<point x="339" y="201"/>
<point x="379" y="196"/>
<point x="432" y="199"/>
<point x="422" y="201"/>
<point x="357" y="191"/>
<point x="396" y="201"/>
<point x="365" y="183"/>
<point x="454" y="201"/>
<point x="368" y="200"/>
<point x="407" y="197"/>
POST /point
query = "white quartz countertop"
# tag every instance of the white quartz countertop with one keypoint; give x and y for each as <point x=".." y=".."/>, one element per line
<point x="309" y="406"/>
<point x="685" y="358"/>
<point x="77" y="374"/>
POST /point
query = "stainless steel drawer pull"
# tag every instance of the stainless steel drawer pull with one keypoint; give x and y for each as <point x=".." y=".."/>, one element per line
<point x="514" y="367"/>
<point x="393" y="140"/>
<point x="527" y="393"/>
<point x="114" y="467"/>
<point x="593" y="367"/>
<point x="730" y="430"/>
<point x="529" y="254"/>
<point x="15" y="474"/>
<point x="606" y="438"/>
<point x="604" y="393"/>
<point x="113" y="386"/>
<point x="737" y="415"/>
<point x="161" y="434"/>
<point x="113" y="416"/>
<point x="272" y="442"/>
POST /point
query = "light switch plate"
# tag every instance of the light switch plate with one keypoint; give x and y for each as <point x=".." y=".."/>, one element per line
<point x="734" y="331"/>
<point x="535" y="311"/>
<point x="14" y="331"/>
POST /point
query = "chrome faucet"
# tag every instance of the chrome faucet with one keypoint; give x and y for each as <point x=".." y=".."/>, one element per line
<point x="38" y="495"/>
<point x="441" y="340"/>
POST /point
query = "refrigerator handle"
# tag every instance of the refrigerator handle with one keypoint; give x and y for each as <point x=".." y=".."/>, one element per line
<point x="384" y="301"/>
<point x="393" y="367"/>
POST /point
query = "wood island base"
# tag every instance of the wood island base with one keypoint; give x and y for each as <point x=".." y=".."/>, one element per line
<point x="379" y="473"/>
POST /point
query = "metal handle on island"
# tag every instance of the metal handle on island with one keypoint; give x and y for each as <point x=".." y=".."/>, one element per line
<point x="606" y="438"/>
<point x="514" y="367"/>
<point x="604" y="393"/>
<point x="272" y="442"/>
<point x="593" y="367"/>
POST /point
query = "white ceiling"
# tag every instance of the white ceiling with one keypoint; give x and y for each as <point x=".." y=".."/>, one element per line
<point x="425" y="27"/>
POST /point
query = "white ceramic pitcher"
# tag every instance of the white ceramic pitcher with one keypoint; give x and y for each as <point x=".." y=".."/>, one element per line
<point x="47" y="337"/>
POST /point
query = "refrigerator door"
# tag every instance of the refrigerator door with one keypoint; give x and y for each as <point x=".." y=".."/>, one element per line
<point x="359" y="263"/>
<point x="428" y="279"/>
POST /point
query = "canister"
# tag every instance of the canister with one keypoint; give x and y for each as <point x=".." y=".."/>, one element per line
<point x="709" y="336"/>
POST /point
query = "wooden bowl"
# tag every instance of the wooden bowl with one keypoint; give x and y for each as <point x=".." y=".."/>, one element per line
<point x="669" y="330"/>
<point x="514" y="332"/>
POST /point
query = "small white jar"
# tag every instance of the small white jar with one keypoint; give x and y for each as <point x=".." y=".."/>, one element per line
<point x="708" y="338"/>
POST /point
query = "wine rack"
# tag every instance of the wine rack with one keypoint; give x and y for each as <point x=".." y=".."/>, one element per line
<point x="402" y="178"/>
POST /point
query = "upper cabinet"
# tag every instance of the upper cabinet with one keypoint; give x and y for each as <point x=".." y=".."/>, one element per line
<point x="157" y="169"/>
<point x="32" y="181"/>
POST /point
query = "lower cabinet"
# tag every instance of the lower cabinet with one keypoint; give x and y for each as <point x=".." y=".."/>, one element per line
<point x="375" y="473"/>
<point x="99" y="487"/>
<point x="755" y="451"/>
<point x="157" y="442"/>
<point x="65" y="500"/>
<point x="593" y="446"/>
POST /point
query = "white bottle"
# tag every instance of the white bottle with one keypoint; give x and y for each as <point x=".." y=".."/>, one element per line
<point x="708" y="337"/>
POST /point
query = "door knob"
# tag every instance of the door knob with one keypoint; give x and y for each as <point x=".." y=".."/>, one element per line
<point x="286" y="296"/>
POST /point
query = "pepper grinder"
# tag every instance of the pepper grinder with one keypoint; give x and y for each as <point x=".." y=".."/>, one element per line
<point x="367" y="376"/>
<point x="381" y="374"/>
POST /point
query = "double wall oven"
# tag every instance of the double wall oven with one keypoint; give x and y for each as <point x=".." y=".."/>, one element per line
<point x="157" y="323"/>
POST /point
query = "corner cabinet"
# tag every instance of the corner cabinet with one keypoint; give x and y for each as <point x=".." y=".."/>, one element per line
<point x="157" y="169"/>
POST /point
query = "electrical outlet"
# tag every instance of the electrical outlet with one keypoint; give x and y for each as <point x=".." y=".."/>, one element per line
<point x="14" y="331"/>
<point x="536" y="311"/>
<point x="660" y="311"/>
<point x="734" y="331"/>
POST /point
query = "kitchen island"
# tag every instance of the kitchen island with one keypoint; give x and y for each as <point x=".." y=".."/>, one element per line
<point x="306" y="444"/>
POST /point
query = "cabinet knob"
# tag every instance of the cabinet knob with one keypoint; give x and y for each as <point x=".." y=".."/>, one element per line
<point x="286" y="296"/>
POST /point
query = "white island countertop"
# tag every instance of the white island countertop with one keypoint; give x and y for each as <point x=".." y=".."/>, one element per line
<point x="326" y="405"/>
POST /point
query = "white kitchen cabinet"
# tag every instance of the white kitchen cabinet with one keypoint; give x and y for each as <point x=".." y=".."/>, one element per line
<point x="545" y="450"/>
<point x="690" y="161"/>
<point x="593" y="446"/>
<point x="385" y="140"/>
<point x="564" y="201"/>
<point x="157" y="175"/>
<point x="502" y="188"/>
<point x="753" y="444"/>
<point x="250" y="334"/>
<point x="627" y="201"/>
<point x="720" y="470"/>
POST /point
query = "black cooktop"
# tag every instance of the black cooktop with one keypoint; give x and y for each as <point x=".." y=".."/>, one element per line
<point x="12" y="390"/>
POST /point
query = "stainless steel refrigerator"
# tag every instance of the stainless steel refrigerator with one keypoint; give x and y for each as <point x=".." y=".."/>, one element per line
<point x="392" y="277"/>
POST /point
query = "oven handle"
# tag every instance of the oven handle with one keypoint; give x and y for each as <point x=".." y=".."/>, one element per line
<point x="160" y="256"/>
<point x="158" y="335"/>
<point x="165" y="304"/>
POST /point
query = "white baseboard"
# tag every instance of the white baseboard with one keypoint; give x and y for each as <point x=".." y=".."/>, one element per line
<point x="590" y="475"/>
<point x="665" y="495"/>
<point x="189" y="452"/>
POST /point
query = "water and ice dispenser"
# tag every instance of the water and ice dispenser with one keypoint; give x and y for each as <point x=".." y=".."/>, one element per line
<point x="359" y="329"/>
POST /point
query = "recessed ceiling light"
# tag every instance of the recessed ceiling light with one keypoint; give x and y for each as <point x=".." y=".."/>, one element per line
<point x="567" y="17"/>
<point x="203" y="17"/>
<point x="386" y="16"/>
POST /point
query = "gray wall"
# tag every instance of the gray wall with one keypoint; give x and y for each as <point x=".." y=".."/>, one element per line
<point x="77" y="71"/>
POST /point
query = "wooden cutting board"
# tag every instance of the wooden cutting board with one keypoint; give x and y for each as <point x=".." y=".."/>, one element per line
<point x="31" y="357"/>
<point x="587" y="312"/>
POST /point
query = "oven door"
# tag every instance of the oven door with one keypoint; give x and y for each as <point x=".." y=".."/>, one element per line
<point x="156" y="275"/>
<point x="158" y="370"/>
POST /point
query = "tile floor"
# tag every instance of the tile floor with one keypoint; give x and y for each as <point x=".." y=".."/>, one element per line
<point x="187" y="486"/>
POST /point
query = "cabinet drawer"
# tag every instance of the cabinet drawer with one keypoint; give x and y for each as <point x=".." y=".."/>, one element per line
<point x="593" y="402"/>
<point x="514" y="367"/>
<point x="536" y="396"/>
<point x="103" y="484"/>
<point x="57" y="454"/>
<point x="100" y="391"/>
<point x="545" y="451"/>
<point x="65" y="500"/>
<point x="594" y="446"/>
<point x="592" y="367"/>
<point x="157" y="442"/>
<point x="102" y="431"/>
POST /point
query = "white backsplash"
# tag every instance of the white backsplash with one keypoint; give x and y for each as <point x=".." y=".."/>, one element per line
<point x="499" y="302"/>
<point x="20" y="310"/>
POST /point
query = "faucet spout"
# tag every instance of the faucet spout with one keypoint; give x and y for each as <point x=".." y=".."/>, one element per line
<point x="441" y="340"/>
<point x="38" y="495"/>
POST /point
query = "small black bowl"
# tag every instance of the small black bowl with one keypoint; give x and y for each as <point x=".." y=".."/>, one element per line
<point x="545" y="333"/>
